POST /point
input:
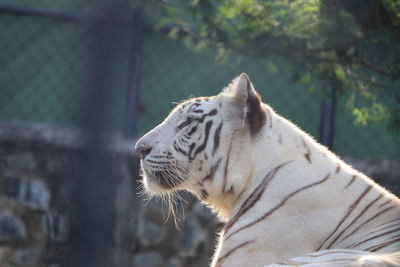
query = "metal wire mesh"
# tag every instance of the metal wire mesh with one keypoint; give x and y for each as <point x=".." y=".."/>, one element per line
<point x="46" y="50"/>
<point x="45" y="57"/>
<point x="43" y="73"/>
<point x="172" y="72"/>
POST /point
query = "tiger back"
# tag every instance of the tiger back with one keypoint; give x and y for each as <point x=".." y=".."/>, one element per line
<point x="285" y="199"/>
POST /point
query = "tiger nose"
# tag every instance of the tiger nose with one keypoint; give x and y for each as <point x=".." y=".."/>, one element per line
<point x="142" y="151"/>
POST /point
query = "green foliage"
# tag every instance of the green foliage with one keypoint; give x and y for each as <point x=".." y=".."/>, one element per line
<point x="351" y="45"/>
<point x="392" y="7"/>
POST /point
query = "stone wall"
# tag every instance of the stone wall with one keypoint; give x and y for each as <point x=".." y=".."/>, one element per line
<point x="37" y="163"/>
<point x="34" y="206"/>
<point x="36" y="169"/>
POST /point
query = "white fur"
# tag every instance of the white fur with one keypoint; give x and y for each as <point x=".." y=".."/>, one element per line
<point x="307" y="217"/>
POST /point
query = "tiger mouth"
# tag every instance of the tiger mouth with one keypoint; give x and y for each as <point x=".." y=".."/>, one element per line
<point x="164" y="181"/>
<point x="163" y="178"/>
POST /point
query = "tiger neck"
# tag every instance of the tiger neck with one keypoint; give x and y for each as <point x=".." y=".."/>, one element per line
<point x="280" y="145"/>
<point x="248" y="161"/>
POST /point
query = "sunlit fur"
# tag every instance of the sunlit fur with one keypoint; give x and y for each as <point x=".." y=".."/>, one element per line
<point x="174" y="172"/>
<point x="286" y="200"/>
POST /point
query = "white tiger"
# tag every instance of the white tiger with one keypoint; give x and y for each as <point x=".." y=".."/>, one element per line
<point x="286" y="200"/>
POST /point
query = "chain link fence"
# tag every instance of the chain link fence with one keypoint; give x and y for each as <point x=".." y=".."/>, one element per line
<point x="43" y="52"/>
<point x="46" y="52"/>
<point x="45" y="55"/>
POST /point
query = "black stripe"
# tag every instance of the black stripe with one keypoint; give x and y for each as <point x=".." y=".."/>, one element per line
<point x="202" y="146"/>
<point x="178" y="149"/>
<point x="182" y="151"/>
<point x="211" y="113"/>
<point x="253" y="198"/>
<point x="185" y="123"/>
<point x="212" y="171"/>
<point x="376" y="236"/>
<point x="279" y="205"/>
<point x="203" y="194"/>
<point x="355" y="219"/>
<point x="373" y="217"/>
<point x="340" y="261"/>
<point x="389" y="221"/>
<point x="226" y="167"/>
<point x="217" y="137"/>
<point x="308" y="156"/>
<point x="161" y="157"/>
<point x="194" y="128"/>
<point x="193" y="105"/>
<point x="380" y="246"/>
<point x="336" y="251"/>
<point x="158" y="162"/>
<point x="349" y="211"/>
<point x="191" y="147"/>
<point x="351" y="181"/>
<point x="385" y="203"/>
<point x="337" y="168"/>
<point x="385" y="228"/>
<point x="226" y="255"/>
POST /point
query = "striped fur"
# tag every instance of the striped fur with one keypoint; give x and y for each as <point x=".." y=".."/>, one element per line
<point x="286" y="200"/>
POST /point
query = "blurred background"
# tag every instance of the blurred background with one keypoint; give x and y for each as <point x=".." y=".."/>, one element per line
<point x="80" y="81"/>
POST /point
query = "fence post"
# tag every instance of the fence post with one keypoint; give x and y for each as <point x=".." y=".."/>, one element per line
<point x="133" y="87"/>
<point x="92" y="226"/>
<point x="327" y="120"/>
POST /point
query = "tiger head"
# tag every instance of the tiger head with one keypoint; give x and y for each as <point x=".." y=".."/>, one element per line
<point x="203" y="145"/>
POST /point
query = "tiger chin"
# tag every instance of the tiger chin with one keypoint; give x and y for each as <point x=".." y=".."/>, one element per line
<point x="285" y="199"/>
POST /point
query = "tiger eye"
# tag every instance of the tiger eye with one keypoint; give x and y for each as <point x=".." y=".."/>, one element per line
<point x="185" y="123"/>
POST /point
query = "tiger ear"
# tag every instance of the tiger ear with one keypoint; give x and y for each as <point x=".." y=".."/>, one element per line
<point x="244" y="104"/>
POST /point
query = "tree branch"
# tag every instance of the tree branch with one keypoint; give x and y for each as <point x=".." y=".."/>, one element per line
<point x="377" y="70"/>
<point x="362" y="78"/>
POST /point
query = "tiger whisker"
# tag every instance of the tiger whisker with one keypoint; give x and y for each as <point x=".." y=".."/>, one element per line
<point x="173" y="174"/>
